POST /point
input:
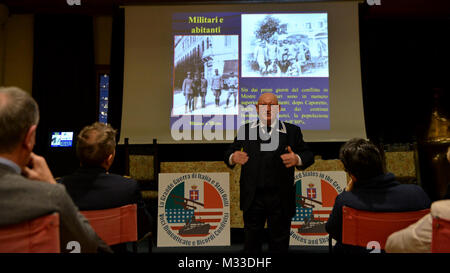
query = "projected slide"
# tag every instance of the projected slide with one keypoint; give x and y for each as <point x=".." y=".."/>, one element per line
<point x="198" y="86"/>
<point x="224" y="61"/>
<point x="284" y="45"/>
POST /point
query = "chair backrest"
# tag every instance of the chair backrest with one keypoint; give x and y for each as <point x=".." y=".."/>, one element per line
<point x="361" y="227"/>
<point x="440" y="242"/>
<point x="116" y="225"/>
<point x="40" y="235"/>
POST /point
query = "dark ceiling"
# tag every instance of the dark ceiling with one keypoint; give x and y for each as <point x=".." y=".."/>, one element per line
<point x="389" y="8"/>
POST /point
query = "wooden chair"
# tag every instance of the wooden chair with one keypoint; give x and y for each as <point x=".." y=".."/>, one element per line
<point x="361" y="227"/>
<point x="440" y="240"/>
<point x="40" y="235"/>
<point x="115" y="226"/>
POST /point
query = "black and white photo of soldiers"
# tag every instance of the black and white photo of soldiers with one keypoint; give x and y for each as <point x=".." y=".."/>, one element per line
<point x="285" y="45"/>
<point x="201" y="72"/>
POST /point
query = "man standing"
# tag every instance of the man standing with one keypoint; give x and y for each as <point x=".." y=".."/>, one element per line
<point x="188" y="92"/>
<point x="216" y="86"/>
<point x="27" y="187"/>
<point x="272" y="54"/>
<point x="267" y="191"/>
<point x="203" y="88"/>
<point x="280" y="48"/>
<point x="232" y="88"/>
<point x="196" y="85"/>
<point x="261" y="57"/>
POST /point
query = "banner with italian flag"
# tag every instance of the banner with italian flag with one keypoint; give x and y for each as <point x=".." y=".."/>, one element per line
<point x="194" y="209"/>
<point x="315" y="195"/>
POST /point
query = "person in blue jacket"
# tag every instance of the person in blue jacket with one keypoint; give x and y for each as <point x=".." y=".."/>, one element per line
<point x="371" y="188"/>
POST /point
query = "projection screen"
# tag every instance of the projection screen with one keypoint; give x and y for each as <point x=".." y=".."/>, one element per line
<point x="193" y="69"/>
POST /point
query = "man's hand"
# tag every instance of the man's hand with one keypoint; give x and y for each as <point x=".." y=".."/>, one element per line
<point x="290" y="159"/>
<point x="38" y="169"/>
<point x="239" y="157"/>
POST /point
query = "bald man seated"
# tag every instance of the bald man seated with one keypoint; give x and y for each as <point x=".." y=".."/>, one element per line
<point x="268" y="150"/>
<point x="28" y="189"/>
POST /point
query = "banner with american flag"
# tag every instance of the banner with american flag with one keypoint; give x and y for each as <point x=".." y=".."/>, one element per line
<point x="193" y="209"/>
<point x="315" y="196"/>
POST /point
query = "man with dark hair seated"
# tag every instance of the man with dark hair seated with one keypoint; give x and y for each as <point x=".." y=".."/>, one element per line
<point x="371" y="188"/>
<point x="93" y="188"/>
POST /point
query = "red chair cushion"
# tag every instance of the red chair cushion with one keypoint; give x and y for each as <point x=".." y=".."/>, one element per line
<point x="116" y="225"/>
<point x="40" y="235"/>
<point x="361" y="227"/>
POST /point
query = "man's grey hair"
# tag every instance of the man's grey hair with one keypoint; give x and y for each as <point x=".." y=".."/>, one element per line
<point x="18" y="112"/>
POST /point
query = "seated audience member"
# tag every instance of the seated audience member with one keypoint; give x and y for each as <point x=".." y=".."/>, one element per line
<point x="92" y="187"/>
<point x="417" y="237"/>
<point x="27" y="187"/>
<point x="370" y="189"/>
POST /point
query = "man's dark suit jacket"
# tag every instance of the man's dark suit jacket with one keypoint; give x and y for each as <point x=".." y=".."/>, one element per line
<point x="95" y="189"/>
<point x="382" y="193"/>
<point x="267" y="168"/>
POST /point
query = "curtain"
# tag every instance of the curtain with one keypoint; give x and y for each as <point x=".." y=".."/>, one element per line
<point x="64" y="83"/>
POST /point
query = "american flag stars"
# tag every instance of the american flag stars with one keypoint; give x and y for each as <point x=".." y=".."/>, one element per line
<point x="178" y="215"/>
